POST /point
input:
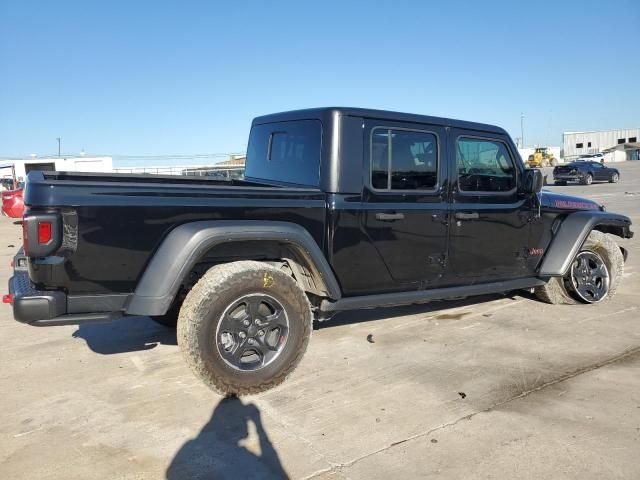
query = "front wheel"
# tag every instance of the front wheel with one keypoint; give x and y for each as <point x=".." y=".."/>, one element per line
<point x="588" y="179"/>
<point x="244" y="327"/>
<point x="614" y="178"/>
<point x="594" y="275"/>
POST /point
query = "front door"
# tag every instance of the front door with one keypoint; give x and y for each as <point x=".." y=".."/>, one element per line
<point x="404" y="211"/>
<point x="489" y="218"/>
<point x="599" y="171"/>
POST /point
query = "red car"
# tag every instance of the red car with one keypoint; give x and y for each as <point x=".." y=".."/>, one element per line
<point x="13" y="203"/>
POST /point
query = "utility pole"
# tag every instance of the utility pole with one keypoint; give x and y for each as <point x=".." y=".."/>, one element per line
<point x="522" y="128"/>
<point x="59" y="140"/>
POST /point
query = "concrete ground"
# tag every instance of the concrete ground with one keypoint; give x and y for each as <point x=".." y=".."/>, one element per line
<point x="494" y="387"/>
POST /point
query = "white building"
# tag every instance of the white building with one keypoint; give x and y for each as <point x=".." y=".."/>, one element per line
<point x="580" y="143"/>
<point x="623" y="152"/>
<point x="231" y="168"/>
<point x="81" y="163"/>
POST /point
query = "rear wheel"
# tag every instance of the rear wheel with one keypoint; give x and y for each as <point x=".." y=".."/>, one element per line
<point x="593" y="276"/>
<point x="244" y="327"/>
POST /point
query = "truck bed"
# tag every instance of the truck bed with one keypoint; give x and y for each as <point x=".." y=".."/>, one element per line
<point x="113" y="223"/>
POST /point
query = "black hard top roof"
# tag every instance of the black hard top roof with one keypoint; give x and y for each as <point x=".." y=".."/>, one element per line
<point x="327" y="112"/>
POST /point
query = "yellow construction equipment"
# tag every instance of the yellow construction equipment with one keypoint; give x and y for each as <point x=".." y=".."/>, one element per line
<point x="542" y="158"/>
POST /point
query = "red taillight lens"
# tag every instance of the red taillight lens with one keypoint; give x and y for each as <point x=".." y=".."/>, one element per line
<point x="41" y="234"/>
<point x="25" y="239"/>
<point x="44" y="232"/>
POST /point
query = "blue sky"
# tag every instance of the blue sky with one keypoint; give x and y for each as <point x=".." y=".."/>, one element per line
<point x="186" y="77"/>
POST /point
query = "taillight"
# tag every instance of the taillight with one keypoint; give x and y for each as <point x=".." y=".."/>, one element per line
<point x="41" y="234"/>
<point x="44" y="232"/>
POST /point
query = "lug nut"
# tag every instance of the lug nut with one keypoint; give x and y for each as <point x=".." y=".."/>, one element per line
<point x="246" y="323"/>
<point x="260" y="333"/>
<point x="242" y="335"/>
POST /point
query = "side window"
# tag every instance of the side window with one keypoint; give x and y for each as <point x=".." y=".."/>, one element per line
<point x="403" y="160"/>
<point x="380" y="159"/>
<point x="484" y="166"/>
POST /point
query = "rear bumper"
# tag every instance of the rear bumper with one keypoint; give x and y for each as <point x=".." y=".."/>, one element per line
<point x="567" y="177"/>
<point x="31" y="305"/>
<point x="46" y="307"/>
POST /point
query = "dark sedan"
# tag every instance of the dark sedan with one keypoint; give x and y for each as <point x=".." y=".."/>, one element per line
<point x="585" y="172"/>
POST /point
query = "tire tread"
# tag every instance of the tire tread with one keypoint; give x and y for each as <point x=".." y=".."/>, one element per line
<point x="223" y="277"/>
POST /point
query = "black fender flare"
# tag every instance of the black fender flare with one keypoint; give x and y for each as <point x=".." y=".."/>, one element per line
<point x="185" y="245"/>
<point x="572" y="234"/>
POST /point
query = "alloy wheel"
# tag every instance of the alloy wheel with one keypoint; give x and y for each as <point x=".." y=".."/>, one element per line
<point x="252" y="332"/>
<point x="589" y="277"/>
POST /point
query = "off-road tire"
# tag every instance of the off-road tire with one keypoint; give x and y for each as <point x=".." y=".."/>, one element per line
<point x="201" y="312"/>
<point x="556" y="290"/>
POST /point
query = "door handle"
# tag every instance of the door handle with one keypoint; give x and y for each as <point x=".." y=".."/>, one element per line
<point x="467" y="216"/>
<point x="389" y="217"/>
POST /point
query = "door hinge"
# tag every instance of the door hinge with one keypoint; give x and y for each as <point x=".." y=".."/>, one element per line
<point x="440" y="218"/>
<point x="439" y="259"/>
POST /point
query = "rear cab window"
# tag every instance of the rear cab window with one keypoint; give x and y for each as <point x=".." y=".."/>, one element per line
<point x="285" y="152"/>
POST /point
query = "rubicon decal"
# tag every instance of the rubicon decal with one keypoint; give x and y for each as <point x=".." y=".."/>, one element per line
<point x="573" y="205"/>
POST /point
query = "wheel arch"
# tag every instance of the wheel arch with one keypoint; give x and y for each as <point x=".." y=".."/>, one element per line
<point x="208" y="242"/>
<point x="572" y="234"/>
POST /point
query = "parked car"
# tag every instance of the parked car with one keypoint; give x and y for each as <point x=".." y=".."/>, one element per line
<point x="592" y="157"/>
<point x="585" y="172"/>
<point x="13" y="203"/>
<point x="340" y="209"/>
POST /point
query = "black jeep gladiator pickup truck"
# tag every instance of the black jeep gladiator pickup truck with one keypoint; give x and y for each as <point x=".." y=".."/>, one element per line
<point x="340" y="208"/>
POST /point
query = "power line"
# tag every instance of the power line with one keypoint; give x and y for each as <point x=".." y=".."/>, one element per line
<point x="178" y="155"/>
<point x="172" y="156"/>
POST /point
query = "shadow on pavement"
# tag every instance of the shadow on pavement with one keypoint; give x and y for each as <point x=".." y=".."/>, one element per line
<point x="217" y="451"/>
<point x="128" y="334"/>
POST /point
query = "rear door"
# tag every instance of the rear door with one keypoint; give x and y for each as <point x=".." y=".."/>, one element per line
<point x="489" y="219"/>
<point x="404" y="212"/>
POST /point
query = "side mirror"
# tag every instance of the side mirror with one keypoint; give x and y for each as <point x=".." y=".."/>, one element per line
<point x="533" y="181"/>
